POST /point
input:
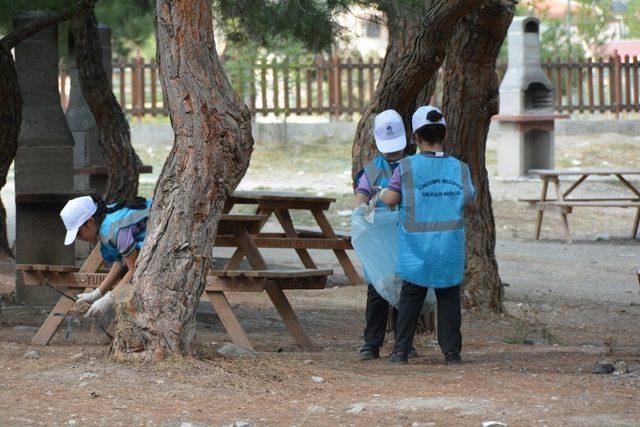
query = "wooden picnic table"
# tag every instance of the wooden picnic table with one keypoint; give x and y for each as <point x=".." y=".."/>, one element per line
<point x="281" y="204"/>
<point x="72" y="280"/>
<point x="563" y="204"/>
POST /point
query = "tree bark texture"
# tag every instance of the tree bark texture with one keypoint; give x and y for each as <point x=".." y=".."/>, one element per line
<point x="471" y="98"/>
<point x="115" y="136"/>
<point x="210" y="155"/>
<point x="11" y="103"/>
<point x="411" y="62"/>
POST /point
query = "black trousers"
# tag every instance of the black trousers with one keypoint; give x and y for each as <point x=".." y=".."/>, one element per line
<point x="449" y="317"/>
<point x="377" y="313"/>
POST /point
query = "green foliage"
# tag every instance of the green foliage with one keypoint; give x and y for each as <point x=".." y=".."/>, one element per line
<point x="632" y="18"/>
<point x="132" y="25"/>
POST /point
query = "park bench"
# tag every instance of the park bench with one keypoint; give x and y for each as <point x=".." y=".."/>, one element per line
<point x="564" y="205"/>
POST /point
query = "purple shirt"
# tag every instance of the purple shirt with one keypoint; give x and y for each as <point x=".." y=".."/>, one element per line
<point x="364" y="186"/>
<point x="126" y="243"/>
<point x="395" y="183"/>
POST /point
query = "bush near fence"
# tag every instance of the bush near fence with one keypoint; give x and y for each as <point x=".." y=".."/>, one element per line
<point x="336" y="86"/>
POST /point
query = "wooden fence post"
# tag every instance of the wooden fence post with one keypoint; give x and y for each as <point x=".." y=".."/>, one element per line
<point x="337" y="87"/>
<point x="136" y="87"/>
<point x="319" y="81"/>
<point x="617" y="80"/>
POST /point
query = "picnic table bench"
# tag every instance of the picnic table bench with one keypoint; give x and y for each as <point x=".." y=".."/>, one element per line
<point x="280" y="204"/>
<point x="564" y="205"/>
<point x="72" y="280"/>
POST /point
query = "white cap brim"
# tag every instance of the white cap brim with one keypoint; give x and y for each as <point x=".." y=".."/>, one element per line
<point x="391" y="145"/>
<point x="71" y="236"/>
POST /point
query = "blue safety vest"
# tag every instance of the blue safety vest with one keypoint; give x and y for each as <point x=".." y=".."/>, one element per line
<point x="378" y="172"/>
<point x="431" y="242"/>
<point x="114" y="222"/>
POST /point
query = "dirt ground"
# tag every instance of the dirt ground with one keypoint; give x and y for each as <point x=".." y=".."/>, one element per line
<point x="577" y="304"/>
<point x="572" y="305"/>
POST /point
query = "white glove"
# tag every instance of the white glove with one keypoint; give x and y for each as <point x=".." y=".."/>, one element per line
<point x="89" y="297"/>
<point x="101" y="306"/>
<point x="381" y="193"/>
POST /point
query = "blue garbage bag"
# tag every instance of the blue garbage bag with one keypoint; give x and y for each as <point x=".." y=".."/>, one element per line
<point x="375" y="241"/>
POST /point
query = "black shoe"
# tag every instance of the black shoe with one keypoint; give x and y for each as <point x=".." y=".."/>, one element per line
<point x="398" y="357"/>
<point x="452" y="358"/>
<point x="368" y="353"/>
<point x="413" y="353"/>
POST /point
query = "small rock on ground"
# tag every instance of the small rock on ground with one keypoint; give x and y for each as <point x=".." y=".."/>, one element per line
<point x="356" y="408"/>
<point x="316" y="409"/>
<point x="317" y="379"/>
<point x="76" y="357"/>
<point x="32" y="354"/>
<point x="232" y="350"/>
<point x="603" y="368"/>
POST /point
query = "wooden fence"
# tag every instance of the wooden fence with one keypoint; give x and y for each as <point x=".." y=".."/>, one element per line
<point x="336" y="87"/>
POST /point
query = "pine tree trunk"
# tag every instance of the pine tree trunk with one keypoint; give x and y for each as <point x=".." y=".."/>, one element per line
<point x="10" y="120"/>
<point x="471" y="98"/>
<point x="11" y="101"/>
<point x="210" y="155"/>
<point x="411" y="63"/>
<point x="115" y="137"/>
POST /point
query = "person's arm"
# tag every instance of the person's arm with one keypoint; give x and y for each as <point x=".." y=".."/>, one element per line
<point x="360" y="199"/>
<point x="130" y="260"/>
<point x="109" y="282"/>
<point x="114" y="274"/>
<point x="363" y="191"/>
<point x="392" y="195"/>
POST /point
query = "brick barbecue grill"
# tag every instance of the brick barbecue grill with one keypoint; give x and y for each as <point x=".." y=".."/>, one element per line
<point x="525" y="124"/>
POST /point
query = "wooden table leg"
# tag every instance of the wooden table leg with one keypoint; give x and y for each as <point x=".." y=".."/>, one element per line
<point x="341" y="254"/>
<point x="277" y="296"/>
<point x="235" y="260"/>
<point x="281" y="303"/>
<point x="284" y="217"/>
<point x="634" y="190"/>
<point x="238" y="255"/>
<point x="563" y="215"/>
<point x="543" y="197"/>
<point x="229" y="319"/>
<point x="64" y="305"/>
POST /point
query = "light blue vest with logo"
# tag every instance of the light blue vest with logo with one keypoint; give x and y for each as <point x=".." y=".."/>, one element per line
<point x="431" y="241"/>
<point x="114" y="222"/>
<point x="378" y="173"/>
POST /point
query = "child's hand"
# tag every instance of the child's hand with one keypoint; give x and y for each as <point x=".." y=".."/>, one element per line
<point x="89" y="297"/>
<point x="101" y="306"/>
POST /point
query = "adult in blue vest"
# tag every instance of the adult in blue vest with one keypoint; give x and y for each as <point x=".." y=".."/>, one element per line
<point x="391" y="141"/>
<point x="432" y="189"/>
<point x="120" y="228"/>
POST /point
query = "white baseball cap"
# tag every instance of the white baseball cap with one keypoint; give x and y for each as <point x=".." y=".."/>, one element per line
<point x="388" y="131"/>
<point x="75" y="213"/>
<point x="420" y="119"/>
